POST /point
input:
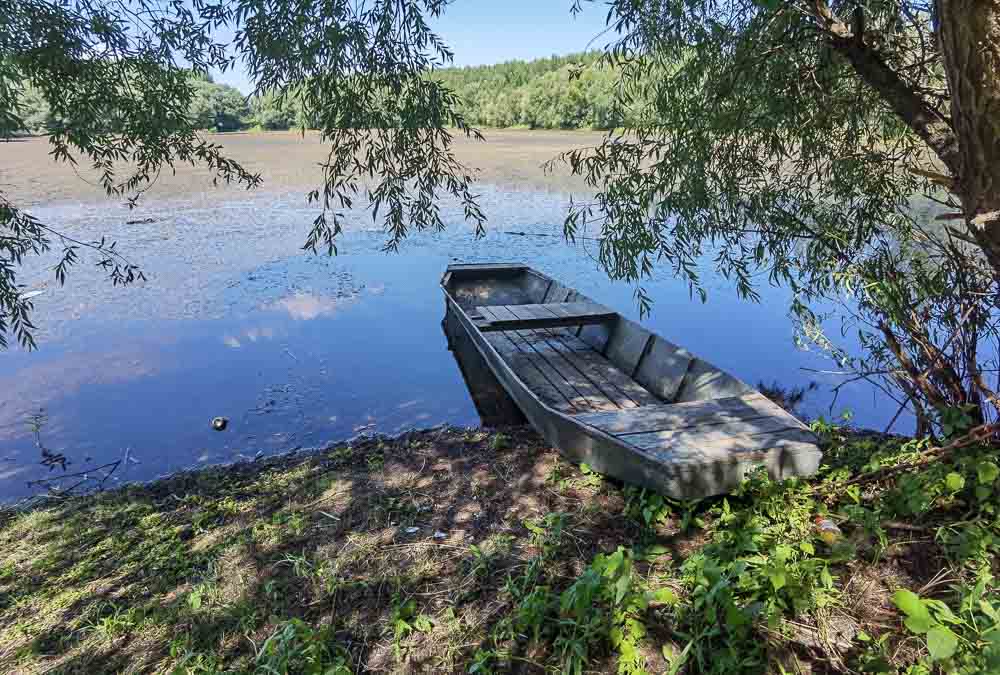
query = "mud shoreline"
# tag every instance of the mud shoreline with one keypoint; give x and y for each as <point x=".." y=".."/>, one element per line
<point x="287" y="161"/>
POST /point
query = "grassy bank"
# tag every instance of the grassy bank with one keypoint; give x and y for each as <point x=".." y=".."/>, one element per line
<point x="466" y="551"/>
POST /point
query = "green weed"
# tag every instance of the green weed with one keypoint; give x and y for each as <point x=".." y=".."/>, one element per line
<point x="499" y="441"/>
<point x="115" y="621"/>
<point x="376" y="461"/>
<point x="404" y="620"/>
<point x="297" y="647"/>
<point x="966" y="641"/>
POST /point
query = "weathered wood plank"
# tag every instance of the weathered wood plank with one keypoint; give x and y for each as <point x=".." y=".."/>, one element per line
<point x="529" y="312"/>
<point x="629" y="387"/>
<point x="569" y="310"/>
<point x="698" y="436"/>
<point x="485" y="267"/>
<point x="577" y="400"/>
<point x="526" y="367"/>
<point x="500" y="342"/>
<point x="498" y="314"/>
<point x="600" y="397"/>
<point x="534" y="348"/>
<point x="692" y="414"/>
<point x="572" y="380"/>
<point x="619" y="387"/>
<point x="543" y="379"/>
<point x="569" y="339"/>
<point x="590" y="374"/>
<point x="537" y="316"/>
<point x="613" y="393"/>
<point x="561" y="309"/>
<point x="484" y="312"/>
<point x="714" y="447"/>
<point x="537" y="338"/>
<point x="582" y="308"/>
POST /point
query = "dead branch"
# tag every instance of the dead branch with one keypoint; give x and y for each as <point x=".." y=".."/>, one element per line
<point x="975" y="435"/>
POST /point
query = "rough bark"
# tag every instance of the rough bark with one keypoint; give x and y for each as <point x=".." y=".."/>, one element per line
<point x="968" y="143"/>
<point x="969" y="32"/>
<point x="901" y="96"/>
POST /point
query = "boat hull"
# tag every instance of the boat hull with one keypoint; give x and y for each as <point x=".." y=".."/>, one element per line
<point x="582" y="442"/>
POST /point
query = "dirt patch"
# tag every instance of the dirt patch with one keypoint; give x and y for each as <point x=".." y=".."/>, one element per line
<point x="423" y="529"/>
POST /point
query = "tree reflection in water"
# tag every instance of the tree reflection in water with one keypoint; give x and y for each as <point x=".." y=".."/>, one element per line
<point x="92" y="479"/>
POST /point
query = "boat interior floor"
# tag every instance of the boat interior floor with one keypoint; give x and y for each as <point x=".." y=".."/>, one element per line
<point x="567" y="373"/>
<point x="574" y="378"/>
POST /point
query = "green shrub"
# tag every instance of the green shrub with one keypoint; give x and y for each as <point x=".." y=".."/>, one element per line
<point x="296" y="647"/>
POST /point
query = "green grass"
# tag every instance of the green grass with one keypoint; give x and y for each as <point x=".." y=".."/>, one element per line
<point x="472" y="552"/>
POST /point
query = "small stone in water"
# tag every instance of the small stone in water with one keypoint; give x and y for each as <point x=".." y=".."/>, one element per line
<point x="411" y="530"/>
<point x="220" y="423"/>
<point x="440" y="535"/>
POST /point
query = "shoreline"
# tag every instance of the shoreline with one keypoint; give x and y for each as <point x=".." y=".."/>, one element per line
<point x="293" y="458"/>
<point x="423" y="551"/>
<point x="243" y="466"/>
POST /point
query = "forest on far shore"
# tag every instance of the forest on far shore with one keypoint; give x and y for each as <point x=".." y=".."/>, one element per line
<point x="559" y="92"/>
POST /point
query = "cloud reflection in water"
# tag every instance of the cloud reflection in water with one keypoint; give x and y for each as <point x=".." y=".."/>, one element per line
<point x="307" y="306"/>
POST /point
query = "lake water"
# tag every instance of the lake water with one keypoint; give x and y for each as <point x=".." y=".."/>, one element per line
<point x="297" y="350"/>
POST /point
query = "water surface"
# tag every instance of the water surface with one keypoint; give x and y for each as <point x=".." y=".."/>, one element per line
<point x="297" y="350"/>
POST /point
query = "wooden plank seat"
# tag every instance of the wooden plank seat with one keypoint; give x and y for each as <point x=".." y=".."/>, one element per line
<point x="699" y="431"/>
<point x="548" y="315"/>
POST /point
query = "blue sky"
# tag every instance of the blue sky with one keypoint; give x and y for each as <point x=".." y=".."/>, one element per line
<point x="487" y="31"/>
<point x="484" y="31"/>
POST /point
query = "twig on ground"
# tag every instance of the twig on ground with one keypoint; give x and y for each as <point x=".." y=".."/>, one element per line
<point x="85" y="475"/>
<point x="895" y="525"/>
<point x="976" y="435"/>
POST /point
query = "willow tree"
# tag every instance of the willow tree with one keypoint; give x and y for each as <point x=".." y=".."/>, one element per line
<point x="116" y="75"/>
<point x="799" y="138"/>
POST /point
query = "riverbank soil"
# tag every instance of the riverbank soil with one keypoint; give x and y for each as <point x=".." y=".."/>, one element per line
<point x="453" y="550"/>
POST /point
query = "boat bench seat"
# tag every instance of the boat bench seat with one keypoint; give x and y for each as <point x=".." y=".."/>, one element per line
<point x="546" y="315"/>
<point x="700" y="431"/>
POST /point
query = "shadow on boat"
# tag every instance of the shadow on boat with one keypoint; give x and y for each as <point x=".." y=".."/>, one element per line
<point x="493" y="404"/>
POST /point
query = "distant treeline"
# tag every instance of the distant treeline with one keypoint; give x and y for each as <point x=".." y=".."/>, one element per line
<point x="560" y="92"/>
<point x="213" y="106"/>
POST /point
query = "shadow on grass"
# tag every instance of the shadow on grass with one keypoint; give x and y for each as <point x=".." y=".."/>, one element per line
<point x="197" y="571"/>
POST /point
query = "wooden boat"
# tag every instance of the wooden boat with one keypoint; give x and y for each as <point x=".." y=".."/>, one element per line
<point x="608" y="392"/>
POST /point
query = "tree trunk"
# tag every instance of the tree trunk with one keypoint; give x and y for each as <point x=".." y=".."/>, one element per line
<point x="969" y="31"/>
